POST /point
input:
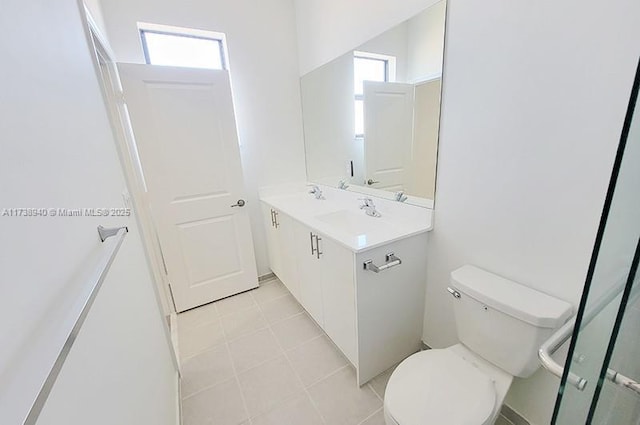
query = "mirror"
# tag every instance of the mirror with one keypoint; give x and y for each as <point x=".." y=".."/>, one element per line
<point x="371" y="116"/>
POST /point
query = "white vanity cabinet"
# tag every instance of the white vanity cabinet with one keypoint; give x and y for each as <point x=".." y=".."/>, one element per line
<point x="325" y="271"/>
<point x="307" y="257"/>
<point x="281" y="247"/>
<point x="319" y="274"/>
<point x="375" y="319"/>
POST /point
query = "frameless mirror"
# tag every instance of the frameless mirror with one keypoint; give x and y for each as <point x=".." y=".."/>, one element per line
<point x="371" y="116"/>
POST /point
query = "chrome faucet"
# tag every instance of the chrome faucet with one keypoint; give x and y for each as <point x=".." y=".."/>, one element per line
<point x="342" y="185"/>
<point x="369" y="208"/>
<point x="316" y="191"/>
<point x="401" y="197"/>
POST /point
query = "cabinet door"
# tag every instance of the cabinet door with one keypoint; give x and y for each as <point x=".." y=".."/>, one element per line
<point x="338" y="297"/>
<point x="390" y="305"/>
<point x="309" y="271"/>
<point x="288" y="261"/>
<point x="273" y="242"/>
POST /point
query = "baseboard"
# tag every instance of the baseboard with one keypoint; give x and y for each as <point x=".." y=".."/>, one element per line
<point x="179" y="400"/>
<point x="173" y="320"/>
<point x="513" y="416"/>
<point x="266" y="277"/>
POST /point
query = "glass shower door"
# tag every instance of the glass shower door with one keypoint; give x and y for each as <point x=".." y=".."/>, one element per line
<point x="605" y="346"/>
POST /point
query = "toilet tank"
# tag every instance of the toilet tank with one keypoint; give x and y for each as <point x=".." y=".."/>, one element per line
<point x="503" y="321"/>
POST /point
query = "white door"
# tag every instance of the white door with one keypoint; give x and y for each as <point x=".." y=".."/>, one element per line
<point x="388" y="133"/>
<point x="185" y="130"/>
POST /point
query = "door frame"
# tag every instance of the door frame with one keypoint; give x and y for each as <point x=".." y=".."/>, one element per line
<point x="105" y="68"/>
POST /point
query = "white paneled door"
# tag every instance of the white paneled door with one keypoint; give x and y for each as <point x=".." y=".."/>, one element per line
<point x="185" y="131"/>
<point x="388" y="133"/>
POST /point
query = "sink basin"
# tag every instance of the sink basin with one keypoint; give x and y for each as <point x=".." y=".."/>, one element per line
<point x="350" y="222"/>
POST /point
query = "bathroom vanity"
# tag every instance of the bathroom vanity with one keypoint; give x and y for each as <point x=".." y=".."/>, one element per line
<point x="361" y="278"/>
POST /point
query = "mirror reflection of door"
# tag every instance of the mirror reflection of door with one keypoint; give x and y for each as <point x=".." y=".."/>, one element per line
<point x="388" y="134"/>
<point x="401" y="124"/>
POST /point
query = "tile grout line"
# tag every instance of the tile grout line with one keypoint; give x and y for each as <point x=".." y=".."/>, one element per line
<point x="304" y="388"/>
<point x="371" y="415"/>
<point x="219" y="319"/>
<point x="374" y="391"/>
<point x="284" y="352"/>
<point x="203" y="350"/>
<point x="235" y="374"/>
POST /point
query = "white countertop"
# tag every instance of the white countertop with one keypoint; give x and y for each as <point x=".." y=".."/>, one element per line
<point x="340" y="218"/>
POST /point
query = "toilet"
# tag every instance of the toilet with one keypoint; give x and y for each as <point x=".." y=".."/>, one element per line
<point x="500" y="324"/>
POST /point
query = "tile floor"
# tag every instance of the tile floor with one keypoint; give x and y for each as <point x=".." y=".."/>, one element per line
<point x="258" y="359"/>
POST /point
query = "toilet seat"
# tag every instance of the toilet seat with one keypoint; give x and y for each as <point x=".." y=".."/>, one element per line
<point x="436" y="387"/>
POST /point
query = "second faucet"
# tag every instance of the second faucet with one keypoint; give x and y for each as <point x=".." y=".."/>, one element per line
<point x="369" y="207"/>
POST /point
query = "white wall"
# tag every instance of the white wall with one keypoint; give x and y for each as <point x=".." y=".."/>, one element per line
<point x="57" y="151"/>
<point x="533" y="104"/>
<point x="426" y="43"/>
<point x="264" y="74"/>
<point x="330" y="28"/>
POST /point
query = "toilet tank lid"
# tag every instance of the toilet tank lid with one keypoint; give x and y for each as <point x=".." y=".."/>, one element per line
<point x="509" y="297"/>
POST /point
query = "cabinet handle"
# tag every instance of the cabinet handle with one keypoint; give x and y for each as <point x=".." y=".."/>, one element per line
<point x="275" y="219"/>
<point x="392" y="261"/>
<point x="313" y="249"/>
<point x="318" y="252"/>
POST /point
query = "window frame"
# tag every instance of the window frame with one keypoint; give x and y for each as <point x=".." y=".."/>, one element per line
<point x="144" y="27"/>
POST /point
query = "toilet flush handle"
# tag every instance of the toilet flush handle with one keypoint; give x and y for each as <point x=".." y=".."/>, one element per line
<point x="453" y="292"/>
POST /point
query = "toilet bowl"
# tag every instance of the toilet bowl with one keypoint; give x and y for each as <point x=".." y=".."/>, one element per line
<point x="448" y="386"/>
<point x="500" y="325"/>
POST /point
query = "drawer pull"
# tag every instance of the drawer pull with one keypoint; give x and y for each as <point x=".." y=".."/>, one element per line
<point x="318" y="252"/>
<point x="391" y="261"/>
<point x="313" y="249"/>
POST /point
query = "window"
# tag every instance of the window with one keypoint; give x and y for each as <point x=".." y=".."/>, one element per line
<point x="174" y="46"/>
<point x="369" y="67"/>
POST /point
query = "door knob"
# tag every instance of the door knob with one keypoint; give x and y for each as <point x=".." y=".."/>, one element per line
<point x="371" y="181"/>
<point x="240" y="203"/>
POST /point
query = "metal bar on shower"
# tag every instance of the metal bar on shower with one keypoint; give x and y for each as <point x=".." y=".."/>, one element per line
<point x="563" y="334"/>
